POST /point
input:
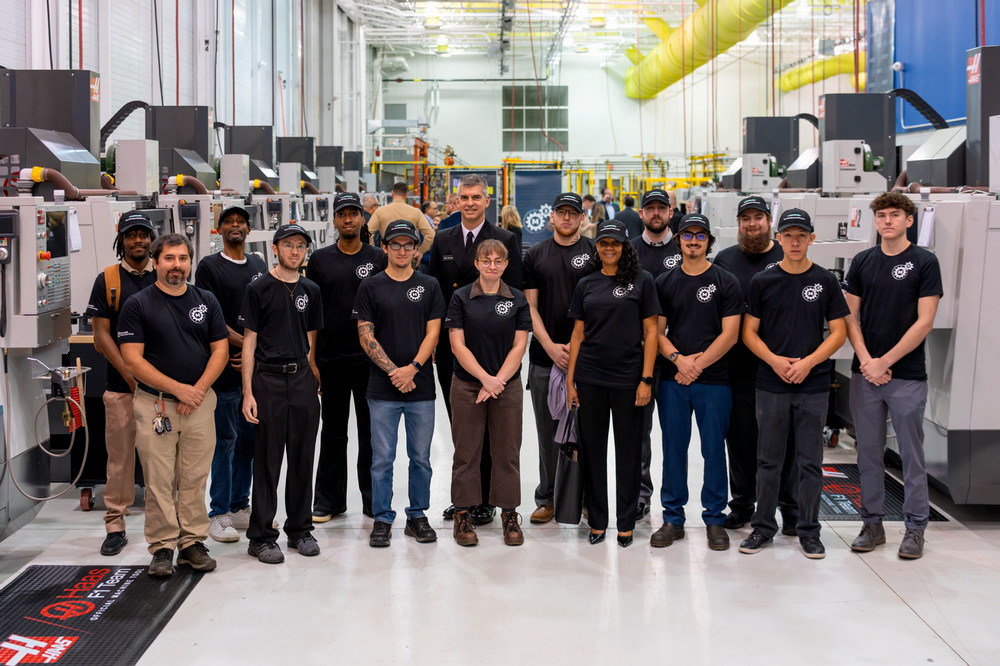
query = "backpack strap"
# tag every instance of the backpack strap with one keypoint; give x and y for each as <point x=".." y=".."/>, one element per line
<point x="113" y="287"/>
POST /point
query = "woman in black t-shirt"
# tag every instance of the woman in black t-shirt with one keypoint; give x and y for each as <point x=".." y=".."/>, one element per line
<point x="611" y="357"/>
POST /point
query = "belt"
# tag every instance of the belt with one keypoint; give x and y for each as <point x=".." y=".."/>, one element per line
<point x="158" y="394"/>
<point x="282" y="368"/>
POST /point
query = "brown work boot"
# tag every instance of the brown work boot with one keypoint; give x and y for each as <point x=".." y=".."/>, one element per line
<point x="543" y="514"/>
<point x="465" y="532"/>
<point x="512" y="534"/>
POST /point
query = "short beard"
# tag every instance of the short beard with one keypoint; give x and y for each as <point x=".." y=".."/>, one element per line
<point x="287" y="266"/>
<point x="756" y="244"/>
<point x="349" y="235"/>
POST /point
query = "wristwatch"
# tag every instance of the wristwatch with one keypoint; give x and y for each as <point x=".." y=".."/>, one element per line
<point x="416" y="365"/>
<point x="673" y="357"/>
<point x="647" y="381"/>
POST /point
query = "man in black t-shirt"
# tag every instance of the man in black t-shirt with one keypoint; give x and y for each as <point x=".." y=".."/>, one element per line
<point x="227" y="274"/>
<point x="343" y="366"/>
<point x="701" y="306"/>
<point x="173" y="338"/>
<point x="787" y="306"/>
<point x="133" y="273"/>
<point x="893" y="290"/>
<point x="756" y="251"/>
<point x="281" y="315"/>
<point x="551" y="270"/>
<point x="399" y="313"/>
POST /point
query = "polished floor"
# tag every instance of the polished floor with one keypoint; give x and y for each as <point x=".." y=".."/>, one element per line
<point x="559" y="600"/>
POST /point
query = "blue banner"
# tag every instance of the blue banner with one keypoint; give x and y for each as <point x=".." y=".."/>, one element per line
<point x="534" y="191"/>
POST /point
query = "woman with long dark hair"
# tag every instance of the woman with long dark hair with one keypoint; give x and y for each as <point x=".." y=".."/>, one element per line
<point x="610" y="375"/>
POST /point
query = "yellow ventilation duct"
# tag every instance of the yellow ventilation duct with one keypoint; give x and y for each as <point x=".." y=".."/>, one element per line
<point x="811" y="72"/>
<point x="688" y="47"/>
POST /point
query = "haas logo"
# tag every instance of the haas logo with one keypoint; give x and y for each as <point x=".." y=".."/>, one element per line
<point x="622" y="292"/>
<point x="580" y="260"/>
<point x="365" y="270"/>
<point x="705" y="293"/>
<point x="415" y="294"/>
<point x="812" y="292"/>
<point x="671" y="262"/>
<point x="301" y="303"/>
<point x="197" y="314"/>
<point x="900" y="271"/>
<point x="504" y="308"/>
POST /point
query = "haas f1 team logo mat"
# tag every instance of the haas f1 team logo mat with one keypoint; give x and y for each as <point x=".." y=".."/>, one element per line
<point x="87" y="615"/>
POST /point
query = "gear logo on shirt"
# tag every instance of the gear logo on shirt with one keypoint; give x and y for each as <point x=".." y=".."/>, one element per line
<point x="622" y="292"/>
<point x="258" y="275"/>
<point x="705" y="293"/>
<point x="771" y="265"/>
<point x="900" y="271"/>
<point x="580" y="260"/>
<point x="415" y="294"/>
<point x="364" y="270"/>
<point x="504" y="308"/>
<point x="671" y="262"/>
<point x="301" y="302"/>
<point x="197" y="314"/>
<point x="812" y="292"/>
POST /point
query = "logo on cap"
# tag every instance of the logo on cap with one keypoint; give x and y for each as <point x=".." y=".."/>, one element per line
<point x="900" y="271"/>
<point x="812" y="292"/>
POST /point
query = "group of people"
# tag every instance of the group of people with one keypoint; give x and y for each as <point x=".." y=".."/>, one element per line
<point x="232" y="374"/>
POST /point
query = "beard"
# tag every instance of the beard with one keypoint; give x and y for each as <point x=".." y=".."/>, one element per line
<point x="288" y="265"/>
<point x="753" y="243"/>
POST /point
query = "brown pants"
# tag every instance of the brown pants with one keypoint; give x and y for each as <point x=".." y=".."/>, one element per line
<point x="468" y="420"/>
<point x="119" y="439"/>
<point x="176" y="466"/>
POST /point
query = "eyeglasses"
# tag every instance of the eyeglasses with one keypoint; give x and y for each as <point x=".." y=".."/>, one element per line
<point x="298" y="247"/>
<point x="565" y="212"/>
<point x="396" y="247"/>
<point x="486" y="263"/>
<point x="687" y="235"/>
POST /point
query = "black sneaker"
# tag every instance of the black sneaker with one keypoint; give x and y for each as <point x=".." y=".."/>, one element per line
<point x="267" y="552"/>
<point x="420" y="529"/>
<point x="381" y="535"/>
<point x="812" y="547"/>
<point x="305" y="545"/>
<point x="113" y="543"/>
<point x="735" y="521"/>
<point x="789" y="530"/>
<point x="196" y="556"/>
<point x="753" y="543"/>
<point x="482" y="514"/>
<point x="162" y="564"/>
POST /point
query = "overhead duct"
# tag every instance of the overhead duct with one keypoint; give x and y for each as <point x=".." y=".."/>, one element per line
<point x="688" y="47"/>
<point x="815" y="71"/>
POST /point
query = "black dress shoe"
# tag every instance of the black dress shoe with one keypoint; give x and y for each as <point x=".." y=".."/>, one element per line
<point x="113" y="543"/>
<point x="624" y="541"/>
<point x="735" y="521"/>
<point x="449" y="513"/>
<point x="641" y="511"/>
<point x="482" y="514"/>
<point x="597" y="537"/>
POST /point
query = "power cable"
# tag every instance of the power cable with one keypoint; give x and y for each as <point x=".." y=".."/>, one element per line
<point x="538" y="87"/>
<point x="48" y="18"/>
<point x="159" y="59"/>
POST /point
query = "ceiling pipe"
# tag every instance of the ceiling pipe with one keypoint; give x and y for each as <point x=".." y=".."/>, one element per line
<point x="818" y="70"/>
<point x="688" y="47"/>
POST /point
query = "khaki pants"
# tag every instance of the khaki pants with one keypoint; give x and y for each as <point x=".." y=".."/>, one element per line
<point x="119" y="438"/>
<point x="176" y="466"/>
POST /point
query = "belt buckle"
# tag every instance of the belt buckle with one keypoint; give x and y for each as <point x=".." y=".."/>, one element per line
<point x="292" y="368"/>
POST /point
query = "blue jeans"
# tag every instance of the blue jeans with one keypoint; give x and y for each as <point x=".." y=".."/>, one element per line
<point x="711" y="405"/>
<point x="419" y="421"/>
<point x="232" y="464"/>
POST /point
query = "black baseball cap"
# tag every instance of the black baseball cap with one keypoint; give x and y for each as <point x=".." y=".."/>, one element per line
<point x="291" y="230"/>
<point x="135" y="219"/>
<point x="400" y="228"/>
<point x="239" y="210"/>
<point x="795" y="217"/>
<point x="571" y="199"/>
<point x="753" y="203"/>
<point x="612" y="229"/>
<point x="693" y="220"/>
<point x="346" y="200"/>
<point x="659" y="195"/>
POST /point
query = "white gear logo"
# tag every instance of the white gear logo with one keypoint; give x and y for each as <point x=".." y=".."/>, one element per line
<point x="197" y="314"/>
<point x="705" y="293"/>
<point x="364" y="270"/>
<point x="254" y="278"/>
<point x="771" y="265"/>
<point x="536" y="220"/>
<point x="504" y="308"/>
<point x="580" y="260"/>
<point x="301" y="302"/>
<point x="415" y="294"/>
<point x="902" y="270"/>
<point x="812" y="292"/>
<point x="622" y="292"/>
<point x="671" y="262"/>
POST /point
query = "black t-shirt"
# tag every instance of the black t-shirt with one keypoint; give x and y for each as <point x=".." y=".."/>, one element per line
<point x="694" y="306"/>
<point x="400" y="312"/>
<point x="792" y="310"/>
<point x="228" y="280"/>
<point x="339" y="275"/>
<point x="99" y="307"/>
<point x="656" y="259"/>
<point x="177" y="331"/>
<point x="490" y="322"/>
<point x="611" y="353"/>
<point x="889" y="289"/>
<point x="282" y="314"/>
<point x="742" y="361"/>
<point x="554" y="270"/>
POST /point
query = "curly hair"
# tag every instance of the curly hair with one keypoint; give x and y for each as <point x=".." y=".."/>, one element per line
<point x="676" y="240"/>
<point x="893" y="200"/>
<point x="119" y="242"/>
<point x="628" y="265"/>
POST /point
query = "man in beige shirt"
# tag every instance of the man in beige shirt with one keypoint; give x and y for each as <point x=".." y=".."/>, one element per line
<point x="400" y="210"/>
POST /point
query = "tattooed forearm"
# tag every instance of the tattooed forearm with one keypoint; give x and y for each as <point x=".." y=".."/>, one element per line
<point x="366" y="333"/>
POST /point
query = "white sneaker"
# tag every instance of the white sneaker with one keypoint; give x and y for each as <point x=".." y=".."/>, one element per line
<point x="241" y="519"/>
<point x="221" y="529"/>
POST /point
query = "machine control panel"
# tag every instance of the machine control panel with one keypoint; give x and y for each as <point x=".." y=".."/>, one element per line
<point x="51" y="241"/>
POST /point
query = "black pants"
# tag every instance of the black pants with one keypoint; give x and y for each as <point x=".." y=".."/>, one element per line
<point x="598" y="404"/>
<point x="288" y="410"/>
<point x="445" y="362"/>
<point x="741" y="442"/>
<point x="340" y="380"/>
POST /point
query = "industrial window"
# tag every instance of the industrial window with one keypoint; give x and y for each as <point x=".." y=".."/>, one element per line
<point x="527" y="110"/>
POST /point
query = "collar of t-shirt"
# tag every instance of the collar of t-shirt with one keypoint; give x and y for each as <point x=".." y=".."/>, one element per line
<point x="475" y="232"/>
<point x="477" y="290"/>
<point x="235" y="261"/>
<point x="649" y="241"/>
<point x="148" y="268"/>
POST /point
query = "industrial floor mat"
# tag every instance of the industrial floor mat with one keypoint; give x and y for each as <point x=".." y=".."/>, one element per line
<point x="87" y="615"/>
<point x="841" y="496"/>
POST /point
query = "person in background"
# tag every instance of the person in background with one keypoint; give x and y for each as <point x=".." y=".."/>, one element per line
<point x="589" y="227"/>
<point x="399" y="209"/>
<point x="368" y="207"/>
<point x="452" y="216"/>
<point x="631" y="219"/>
<point x="511" y="221"/>
<point x="610" y="207"/>
<point x="430" y="211"/>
